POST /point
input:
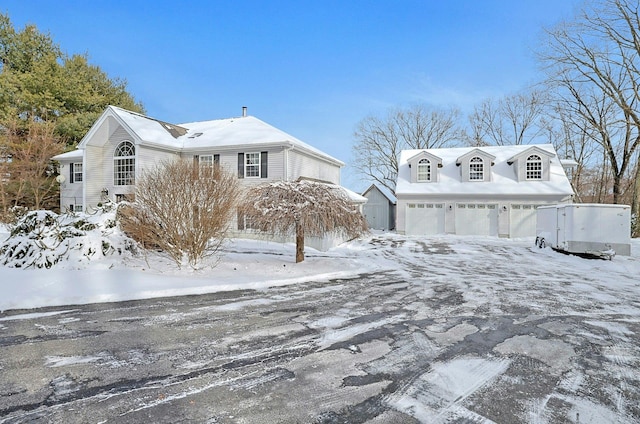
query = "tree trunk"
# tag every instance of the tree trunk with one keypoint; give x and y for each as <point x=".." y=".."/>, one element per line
<point x="635" y="228"/>
<point x="299" y="243"/>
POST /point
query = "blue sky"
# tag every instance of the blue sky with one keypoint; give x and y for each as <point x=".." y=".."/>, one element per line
<point x="313" y="68"/>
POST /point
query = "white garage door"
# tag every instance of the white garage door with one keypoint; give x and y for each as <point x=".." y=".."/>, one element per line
<point x="479" y="219"/>
<point x="522" y="221"/>
<point x="424" y="219"/>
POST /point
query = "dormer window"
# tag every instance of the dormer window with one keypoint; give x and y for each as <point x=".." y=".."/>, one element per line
<point x="534" y="167"/>
<point x="424" y="167"/>
<point x="424" y="170"/>
<point x="476" y="169"/>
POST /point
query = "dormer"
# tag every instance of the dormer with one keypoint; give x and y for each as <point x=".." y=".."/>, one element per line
<point x="475" y="166"/>
<point x="424" y="167"/>
<point x="532" y="164"/>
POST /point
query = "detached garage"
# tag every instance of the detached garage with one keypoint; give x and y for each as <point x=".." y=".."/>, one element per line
<point x="488" y="191"/>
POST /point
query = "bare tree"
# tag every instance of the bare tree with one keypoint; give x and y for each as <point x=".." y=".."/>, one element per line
<point x="302" y="207"/>
<point x="182" y="209"/>
<point x="379" y="141"/>
<point x="515" y="119"/>
<point x="594" y="64"/>
<point x="26" y="172"/>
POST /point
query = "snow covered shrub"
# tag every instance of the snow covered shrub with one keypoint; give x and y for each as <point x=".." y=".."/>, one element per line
<point x="42" y="239"/>
<point x="182" y="209"/>
<point x="302" y="207"/>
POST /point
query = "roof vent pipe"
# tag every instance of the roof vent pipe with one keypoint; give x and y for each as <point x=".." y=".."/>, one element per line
<point x="244" y="111"/>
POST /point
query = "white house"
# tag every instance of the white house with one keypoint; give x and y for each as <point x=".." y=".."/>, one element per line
<point x="380" y="209"/>
<point x="121" y="143"/>
<point x="490" y="190"/>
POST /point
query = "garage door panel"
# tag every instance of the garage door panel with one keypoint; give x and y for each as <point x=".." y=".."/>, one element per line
<point x="522" y="221"/>
<point x="424" y="219"/>
<point x="477" y="219"/>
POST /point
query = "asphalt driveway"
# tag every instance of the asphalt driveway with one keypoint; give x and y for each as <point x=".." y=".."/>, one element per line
<point x="450" y="330"/>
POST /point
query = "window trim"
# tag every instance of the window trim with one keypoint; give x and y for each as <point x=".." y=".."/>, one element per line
<point x="77" y="174"/>
<point x="476" y="169"/>
<point x="124" y="166"/>
<point x="255" y="167"/>
<point x="533" y="168"/>
<point x="423" y="163"/>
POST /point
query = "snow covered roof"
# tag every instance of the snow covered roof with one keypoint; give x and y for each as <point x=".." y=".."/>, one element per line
<point x="504" y="178"/>
<point x="245" y="131"/>
<point x="74" y="154"/>
<point x="385" y="192"/>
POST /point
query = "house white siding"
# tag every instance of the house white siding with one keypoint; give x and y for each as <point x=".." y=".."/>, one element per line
<point x="70" y="193"/>
<point x="95" y="178"/>
<point x="304" y="165"/>
<point x="287" y="158"/>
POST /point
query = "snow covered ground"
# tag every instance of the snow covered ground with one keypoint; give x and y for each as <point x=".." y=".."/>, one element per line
<point x="244" y="264"/>
<point x="434" y="329"/>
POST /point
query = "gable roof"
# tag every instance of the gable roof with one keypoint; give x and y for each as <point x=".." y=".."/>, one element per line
<point x="528" y="152"/>
<point x="423" y="154"/>
<point x="382" y="190"/>
<point x="244" y="132"/>
<point x="473" y="153"/>
<point x="504" y="179"/>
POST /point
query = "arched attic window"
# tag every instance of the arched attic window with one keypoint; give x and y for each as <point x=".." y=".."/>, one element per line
<point x="534" y="167"/>
<point x="124" y="164"/>
<point x="424" y="170"/>
<point x="476" y="169"/>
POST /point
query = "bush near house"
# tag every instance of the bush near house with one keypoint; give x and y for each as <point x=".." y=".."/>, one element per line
<point x="42" y="239"/>
<point x="182" y="209"/>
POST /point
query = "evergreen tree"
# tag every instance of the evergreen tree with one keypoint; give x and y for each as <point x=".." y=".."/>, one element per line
<point x="49" y="98"/>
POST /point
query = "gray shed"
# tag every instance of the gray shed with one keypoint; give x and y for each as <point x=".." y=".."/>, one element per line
<point x="380" y="209"/>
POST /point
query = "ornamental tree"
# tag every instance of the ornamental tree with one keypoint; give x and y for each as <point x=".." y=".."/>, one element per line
<point x="302" y="208"/>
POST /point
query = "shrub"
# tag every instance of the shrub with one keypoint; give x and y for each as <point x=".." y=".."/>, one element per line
<point x="181" y="209"/>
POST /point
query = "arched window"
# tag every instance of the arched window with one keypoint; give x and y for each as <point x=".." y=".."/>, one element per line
<point x="124" y="164"/>
<point x="476" y="169"/>
<point x="534" y="167"/>
<point x="424" y="170"/>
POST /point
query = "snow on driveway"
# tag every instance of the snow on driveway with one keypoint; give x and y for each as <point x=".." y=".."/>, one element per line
<point x="387" y="329"/>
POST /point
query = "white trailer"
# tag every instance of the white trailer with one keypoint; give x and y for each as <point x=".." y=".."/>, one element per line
<point x="585" y="229"/>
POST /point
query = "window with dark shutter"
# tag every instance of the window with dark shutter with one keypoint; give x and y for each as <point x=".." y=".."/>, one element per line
<point x="71" y="174"/>
<point x="240" y="165"/>
<point x="263" y="164"/>
<point x="240" y="219"/>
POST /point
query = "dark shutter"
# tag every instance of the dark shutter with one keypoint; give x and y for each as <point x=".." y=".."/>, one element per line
<point x="216" y="159"/>
<point x="240" y="165"/>
<point x="263" y="164"/>
<point x="240" y="221"/>
<point x="71" y="173"/>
